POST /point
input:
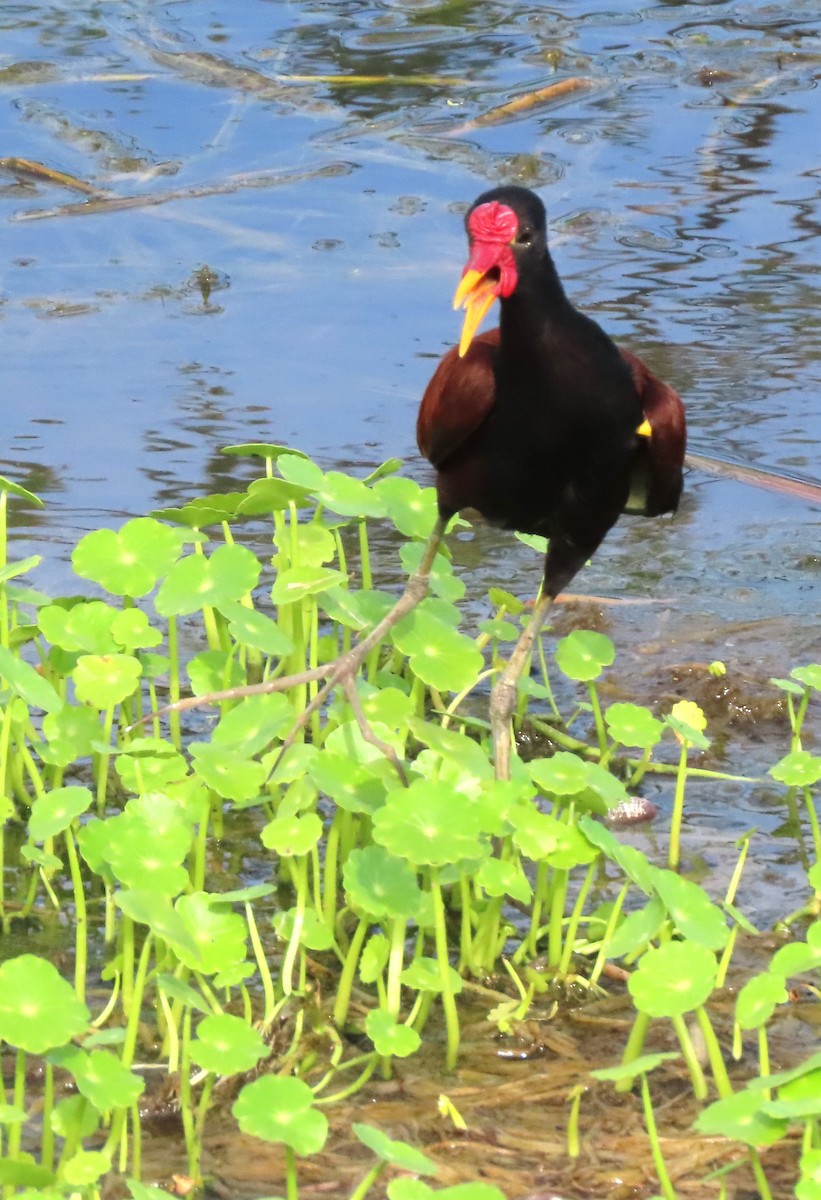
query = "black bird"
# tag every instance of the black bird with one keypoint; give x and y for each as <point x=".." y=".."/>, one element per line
<point x="543" y="425"/>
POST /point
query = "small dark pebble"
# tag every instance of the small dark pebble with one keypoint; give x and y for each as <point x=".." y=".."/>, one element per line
<point x="632" y="812"/>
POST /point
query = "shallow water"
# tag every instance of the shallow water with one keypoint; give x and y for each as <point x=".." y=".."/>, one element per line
<point x="298" y="288"/>
<point x="284" y="266"/>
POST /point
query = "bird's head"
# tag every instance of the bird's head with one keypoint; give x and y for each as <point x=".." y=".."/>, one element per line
<point x="505" y="227"/>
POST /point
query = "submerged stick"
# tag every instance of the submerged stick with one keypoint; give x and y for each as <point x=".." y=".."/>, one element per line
<point x="107" y="204"/>
<point x="760" y="477"/>
<point x="523" y="103"/>
<point x="29" y="169"/>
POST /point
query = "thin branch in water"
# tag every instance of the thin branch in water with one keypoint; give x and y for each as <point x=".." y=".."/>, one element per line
<point x="235" y="183"/>
<point x="523" y="103"/>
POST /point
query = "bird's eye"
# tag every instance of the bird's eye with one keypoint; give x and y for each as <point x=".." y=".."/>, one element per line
<point x="524" y="238"/>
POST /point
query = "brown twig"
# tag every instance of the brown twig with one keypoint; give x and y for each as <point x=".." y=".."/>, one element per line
<point x="520" y="104"/>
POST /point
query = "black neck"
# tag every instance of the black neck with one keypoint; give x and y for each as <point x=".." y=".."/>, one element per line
<point x="537" y="303"/>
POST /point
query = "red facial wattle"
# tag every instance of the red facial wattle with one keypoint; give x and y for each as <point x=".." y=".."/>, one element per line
<point x="490" y="273"/>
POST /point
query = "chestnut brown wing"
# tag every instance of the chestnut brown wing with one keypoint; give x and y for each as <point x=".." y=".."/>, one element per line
<point x="663" y="452"/>
<point x="458" y="399"/>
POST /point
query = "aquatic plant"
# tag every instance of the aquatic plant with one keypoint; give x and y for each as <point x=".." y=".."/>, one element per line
<point x="143" y="725"/>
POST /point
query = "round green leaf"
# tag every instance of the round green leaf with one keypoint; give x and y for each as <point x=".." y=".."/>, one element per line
<point x="227" y="1045"/>
<point x="294" y="584"/>
<point x="292" y="836"/>
<point x="799" y="768"/>
<point x="673" y="979"/>
<point x="758" y="999"/>
<point x="411" y="508"/>
<point x="350" y="497"/>
<point x="280" y="1110"/>
<point x="100" y="1077"/>
<point x="104" y="680"/>
<point x="381" y="884"/>
<point x="27" y="683"/>
<point x="422" y="823"/>
<point x="230" y="776"/>
<point x="741" y="1116"/>
<point x="131" y="562"/>
<point x="695" y="915"/>
<point x="563" y="774"/>
<point x="85" y="1167"/>
<point x="583" y="655"/>
<point x="390" y="1038"/>
<point x="397" y="1154"/>
<point x="38" y="1009"/>
<point x="442" y="657"/>
<point x="632" y="725"/>
<point x="255" y="629"/>
<point x="54" y="811"/>
<point x="196" y="581"/>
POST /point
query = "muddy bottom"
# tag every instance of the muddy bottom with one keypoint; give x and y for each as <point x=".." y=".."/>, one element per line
<point x="513" y="1093"/>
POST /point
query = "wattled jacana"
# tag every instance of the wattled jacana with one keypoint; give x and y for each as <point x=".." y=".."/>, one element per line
<point x="543" y="425"/>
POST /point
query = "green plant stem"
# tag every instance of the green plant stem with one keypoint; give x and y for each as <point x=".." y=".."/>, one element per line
<point x="331" y="878"/>
<point x="735" y="880"/>
<point x="268" y="991"/>
<point x="80" y="918"/>
<point x="47" y="1144"/>
<point x="612" y="921"/>
<point x="171" y="1035"/>
<point x="763" y="1055"/>
<point x="291" y="1189"/>
<point x="365" y="555"/>
<point x="665" y="1183"/>
<point x="186" y="1106"/>
<point x="202" y="1113"/>
<point x="723" y="1085"/>
<point x="690" y="1057"/>
<point x="396" y="961"/>
<point x="558" y="897"/>
<point x="601" y="732"/>
<point x="200" y="852"/>
<point x="575" y="1099"/>
<point x="448" y="1002"/>
<point x="760" y="1177"/>
<point x="485" y="948"/>
<point x="5" y="734"/>
<point x="632" y="1050"/>
<point x="546" y="678"/>
<point x="289" y="958"/>
<point x="813" y="819"/>
<point x="19" y="1101"/>
<point x="136" y="1143"/>
<point x="354" y="1087"/>
<point x="466" y="956"/>
<point x="674" y="854"/>
<point x="367" y="1183"/>
<point x="529" y="945"/>
<point x="726" y="956"/>
<point x="133" y="1026"/>
<point x="4" y="600"/>
<point x="127" y="941"/>
<point x="798" y="719"/>
<point x="174" y="682"/>
<point x="103" y="759"/>
<point x="345" y="985"/>
<point x="640" y="769"/>
<point x="575" y="918"/>
<point x="568" y="742"/>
